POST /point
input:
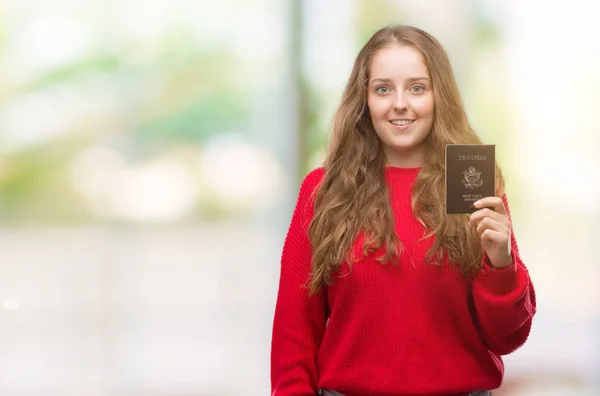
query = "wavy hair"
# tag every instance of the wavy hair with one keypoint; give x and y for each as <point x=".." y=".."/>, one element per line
<point x="353" y="196"/>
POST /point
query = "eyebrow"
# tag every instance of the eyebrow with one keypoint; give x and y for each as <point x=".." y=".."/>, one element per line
<point x="411" y="79"/>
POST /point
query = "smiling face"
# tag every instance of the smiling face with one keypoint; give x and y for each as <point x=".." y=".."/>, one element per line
<point x="400" y="100"/>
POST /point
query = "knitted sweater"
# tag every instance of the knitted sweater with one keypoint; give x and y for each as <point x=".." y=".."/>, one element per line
<point x="410" y="329"/>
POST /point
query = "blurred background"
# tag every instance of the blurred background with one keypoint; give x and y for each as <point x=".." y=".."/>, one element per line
<point x="151" y="153"/>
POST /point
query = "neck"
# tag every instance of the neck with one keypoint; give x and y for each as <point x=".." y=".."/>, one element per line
<point x="404" y="160"/>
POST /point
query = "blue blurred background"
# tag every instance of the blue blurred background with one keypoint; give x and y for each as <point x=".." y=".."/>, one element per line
<point x="151" y="153"/>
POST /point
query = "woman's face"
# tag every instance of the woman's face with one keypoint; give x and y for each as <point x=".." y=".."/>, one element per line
<point x="400" y="100"/>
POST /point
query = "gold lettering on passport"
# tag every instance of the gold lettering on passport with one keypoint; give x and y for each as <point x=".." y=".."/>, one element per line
<point x="472" y="197"/>
<point x="475" y="157"/>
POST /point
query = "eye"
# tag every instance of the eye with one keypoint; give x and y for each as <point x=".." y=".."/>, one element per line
<point x="382" y="90"/>
<point x="417" y="89"/>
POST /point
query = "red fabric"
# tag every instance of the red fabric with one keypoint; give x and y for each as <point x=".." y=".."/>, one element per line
<point x="411" y="329"/>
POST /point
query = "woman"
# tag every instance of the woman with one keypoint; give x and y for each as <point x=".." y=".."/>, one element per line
<point x="381" y="292"/>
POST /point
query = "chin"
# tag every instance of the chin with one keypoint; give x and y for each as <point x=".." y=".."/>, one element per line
<point x="406" y="145"/>
<point x="403" y="145"/>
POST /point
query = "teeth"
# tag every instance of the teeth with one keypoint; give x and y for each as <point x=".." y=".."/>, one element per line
<point x="401" y="122"/>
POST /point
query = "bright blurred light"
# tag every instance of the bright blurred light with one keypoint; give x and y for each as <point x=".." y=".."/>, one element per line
<point x="12" y="303"/>
<point x="93" y="170"/>
<point x="161" y="190"/>
<point x="253" y="39"/>
<point x="50" y="41"/>
<point x="150" y="24"/>
<point x="33" y="118"/>
<point x="241" y="175"/>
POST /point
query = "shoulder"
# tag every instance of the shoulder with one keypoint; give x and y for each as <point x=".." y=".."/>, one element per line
<point x="314" y="178"/>
<point x="310" y="185"/>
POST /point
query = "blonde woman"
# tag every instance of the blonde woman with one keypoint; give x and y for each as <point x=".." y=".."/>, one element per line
<point x="381" y="292"/>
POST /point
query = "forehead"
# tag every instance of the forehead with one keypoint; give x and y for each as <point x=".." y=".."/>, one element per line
<point x="398" y="62"/>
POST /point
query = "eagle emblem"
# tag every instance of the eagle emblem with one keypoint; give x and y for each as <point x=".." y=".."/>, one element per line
<point x="472" y="178"/>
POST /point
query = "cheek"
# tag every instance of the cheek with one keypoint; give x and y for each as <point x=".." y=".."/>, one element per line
<point x="377" y="108"/>
<point x="425" y="107"/>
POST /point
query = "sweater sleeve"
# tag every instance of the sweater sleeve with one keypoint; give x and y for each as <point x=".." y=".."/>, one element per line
<point x="504" y="302"/>
<point x="299" y="321"/>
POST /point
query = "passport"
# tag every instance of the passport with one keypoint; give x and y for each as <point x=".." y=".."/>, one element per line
<point x="470" y="175"/>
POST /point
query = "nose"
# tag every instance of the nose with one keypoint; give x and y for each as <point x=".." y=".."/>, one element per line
<point x="400" y="102"/>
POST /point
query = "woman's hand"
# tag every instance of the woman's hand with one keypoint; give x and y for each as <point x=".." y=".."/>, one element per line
<point x="493" y="228"/>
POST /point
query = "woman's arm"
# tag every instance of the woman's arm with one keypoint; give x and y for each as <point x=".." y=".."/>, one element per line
<point x="299" y="321"/>
<point x="504" y="300"/>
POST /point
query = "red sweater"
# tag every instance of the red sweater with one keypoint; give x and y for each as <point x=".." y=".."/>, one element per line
<point x="412" y="329"/>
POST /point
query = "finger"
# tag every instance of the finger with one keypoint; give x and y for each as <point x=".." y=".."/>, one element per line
<point x="491" y="202"/>
<point x="496" y="237"/>
<point x="491" y="224"/>
<point x="481" y="214"/>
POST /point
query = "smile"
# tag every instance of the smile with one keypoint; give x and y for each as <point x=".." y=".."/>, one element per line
<point x="402" y="122"/>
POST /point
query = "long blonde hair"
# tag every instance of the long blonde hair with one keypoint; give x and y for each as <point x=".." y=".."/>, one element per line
<point x="353" y="195"/>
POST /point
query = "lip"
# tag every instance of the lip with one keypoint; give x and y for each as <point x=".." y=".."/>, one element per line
<point x="402" y="127"/>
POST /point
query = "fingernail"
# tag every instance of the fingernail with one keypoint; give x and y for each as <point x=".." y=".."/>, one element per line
<point x="477" y="204"/>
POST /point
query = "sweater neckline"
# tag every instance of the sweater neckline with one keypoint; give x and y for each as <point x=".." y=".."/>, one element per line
<point x="404" y="176"/>
<point x="402" y="169"/>
<point x="396" y="170"/>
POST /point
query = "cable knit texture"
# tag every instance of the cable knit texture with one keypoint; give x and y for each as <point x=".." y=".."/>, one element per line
<point x="411" y="329"/>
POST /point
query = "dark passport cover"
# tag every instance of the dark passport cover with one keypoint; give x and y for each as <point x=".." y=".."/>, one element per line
<point x="470" y="175"/>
